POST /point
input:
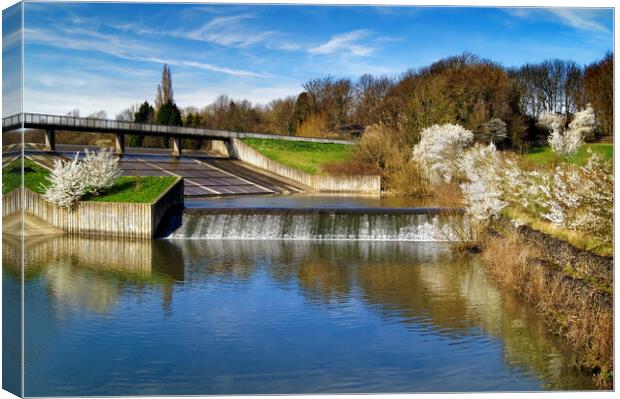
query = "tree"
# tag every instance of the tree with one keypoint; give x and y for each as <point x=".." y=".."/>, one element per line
<point x="369" y="94"/>
<point x="168" y="114"/>
<point x="332" y="98"/>
<point x="164" y="89"/>
<point x="493" y="131"/>
<point x="303" y="109"/>
<point x="144" y="114"/>
<point x="127" y="115"/>
<point x="599" y="92"/>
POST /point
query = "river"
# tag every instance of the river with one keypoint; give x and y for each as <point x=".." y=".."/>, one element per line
<point x="190" y="317"/>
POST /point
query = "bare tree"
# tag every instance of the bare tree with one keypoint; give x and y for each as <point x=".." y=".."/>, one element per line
<point x="369" y="94"/>
<point x="164" y="89"/>
<point x="128" y="114"/>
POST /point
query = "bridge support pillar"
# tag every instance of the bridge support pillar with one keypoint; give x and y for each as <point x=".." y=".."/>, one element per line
<point x="50" y="140"/>
<point x="120" y="143"/>
<point x="176" y="147"/>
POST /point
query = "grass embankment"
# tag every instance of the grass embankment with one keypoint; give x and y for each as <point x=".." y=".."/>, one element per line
<point x="574" y="308"/>
<point x="575" y="238"/>
<point x="544" y="155"/>
<point x="306" y="156"/>
<point x="134" y="189"/>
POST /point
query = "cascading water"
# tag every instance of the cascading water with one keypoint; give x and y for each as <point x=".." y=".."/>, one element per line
<point x="314" y="224"/>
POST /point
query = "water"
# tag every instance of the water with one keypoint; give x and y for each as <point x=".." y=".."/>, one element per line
<point x="374" y="224"/>
<point x="301" y="201"/>
<point x="122" y="317"/>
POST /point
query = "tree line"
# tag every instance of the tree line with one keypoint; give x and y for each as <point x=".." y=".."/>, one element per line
<point x="498" y="104"/>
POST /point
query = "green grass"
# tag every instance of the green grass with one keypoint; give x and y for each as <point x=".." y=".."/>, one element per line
<point x="35" y="177"/>
<point x="303" y="155"/>
<point x="544" y="155"/>
<point x="132" y="189"/>
<point x="576" y="238"/>
<point x="135" y="189"/>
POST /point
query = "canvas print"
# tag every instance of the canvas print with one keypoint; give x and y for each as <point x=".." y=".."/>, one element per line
<point x="228" y="199"/>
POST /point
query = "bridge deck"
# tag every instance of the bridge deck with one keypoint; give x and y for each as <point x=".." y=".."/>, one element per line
<point x="92" y="125"/>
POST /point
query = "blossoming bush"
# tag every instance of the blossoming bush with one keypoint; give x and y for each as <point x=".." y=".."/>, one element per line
<point x="100" y="169"/>
<point x="483" y="189"/>
<point x="578" y="198"/>
<point x="563" y="141"/>
<point x="439" y="151"/>
<point x="67" y="184"/>
<point x="71" y="180"/>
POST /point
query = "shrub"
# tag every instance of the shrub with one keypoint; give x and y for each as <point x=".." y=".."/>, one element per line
<point x="483" y="190"/>
<point x="566" y="141"/>
<point x="100" y="169"/>
<point x="67" y="184"/>
<point x="493" y="131"/>
<point x="439" y="150"/>
<point x="410" y="180"/>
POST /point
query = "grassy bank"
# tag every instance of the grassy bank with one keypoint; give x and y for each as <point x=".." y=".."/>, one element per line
<point x="544" y="155"/>
<point x="577" y="309"/>
<point x="134" y="189"/>
<point x="306" y="156"/>
<point x="575" y="238"/>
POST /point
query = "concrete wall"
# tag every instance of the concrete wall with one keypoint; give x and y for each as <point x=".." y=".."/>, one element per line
<point x="98" y="218"/>
<point x="353" y="184"/>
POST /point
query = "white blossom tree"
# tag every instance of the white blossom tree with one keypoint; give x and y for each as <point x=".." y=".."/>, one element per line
<point x="494" y="131"/>
<point x="67" y="183"/>
<point x="439" y="150"/>
<point x="483" y="190"/>
<point x="100" y="169"/>
<point x="566" y="141"/>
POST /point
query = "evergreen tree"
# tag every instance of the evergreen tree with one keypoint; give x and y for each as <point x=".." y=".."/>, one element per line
<point x="169" y="115"/>
<point x="145" y="114"/>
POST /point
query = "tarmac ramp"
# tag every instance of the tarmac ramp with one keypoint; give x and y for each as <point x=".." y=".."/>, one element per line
<point x="203" y="175"/>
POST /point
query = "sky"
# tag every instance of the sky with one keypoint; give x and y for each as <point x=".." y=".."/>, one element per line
<point x="106" y="56"/>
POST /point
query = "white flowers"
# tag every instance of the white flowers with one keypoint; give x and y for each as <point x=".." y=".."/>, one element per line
<point x="71" y="180"/>
<point x="100" y="169"/>
<point x="483" y="189"/>
<point x="563" y="141"/>
<point x="67" y="185"/>
<point x="439" y="150"/>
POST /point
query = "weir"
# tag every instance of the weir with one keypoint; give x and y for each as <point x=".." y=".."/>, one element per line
<point x="364" y="224"/>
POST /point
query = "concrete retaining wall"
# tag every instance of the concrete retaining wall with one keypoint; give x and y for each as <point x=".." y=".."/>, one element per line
<point x="353" y="184"/>
<point x="98" y="218"/>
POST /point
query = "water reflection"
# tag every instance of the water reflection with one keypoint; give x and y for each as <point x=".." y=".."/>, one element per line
<point x="197" y="317"/>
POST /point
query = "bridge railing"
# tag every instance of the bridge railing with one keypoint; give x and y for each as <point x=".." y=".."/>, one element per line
<point x="59" y="122"/>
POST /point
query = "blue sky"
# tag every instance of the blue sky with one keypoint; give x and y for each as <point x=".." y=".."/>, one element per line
<point x="108" y="56"/>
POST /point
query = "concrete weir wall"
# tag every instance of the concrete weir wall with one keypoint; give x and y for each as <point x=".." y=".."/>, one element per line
<point x="352" y="184"/>
<point x="115" y="219"/>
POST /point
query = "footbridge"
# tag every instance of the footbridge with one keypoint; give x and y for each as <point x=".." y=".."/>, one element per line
<point x="52" y="123"/>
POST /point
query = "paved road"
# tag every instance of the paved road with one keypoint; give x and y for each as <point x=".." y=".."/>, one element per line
<point x="203" y="175"/>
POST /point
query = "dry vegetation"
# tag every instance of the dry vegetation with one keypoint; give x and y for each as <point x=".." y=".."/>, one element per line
<point x="575" y="309"/>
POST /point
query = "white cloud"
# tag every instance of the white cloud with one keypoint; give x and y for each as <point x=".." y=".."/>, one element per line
<point x="577" y="18"/>
<point x="345" y="42"/>
<point x="228" y="31"/>
<point x="119" y="47"/>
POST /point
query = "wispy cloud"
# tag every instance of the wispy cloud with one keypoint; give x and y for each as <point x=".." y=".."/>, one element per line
<point x="228" y="31"/>
<point x="578" y="18"/>
<point x="81" y="39"/>
<point x="345" y="42"/>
